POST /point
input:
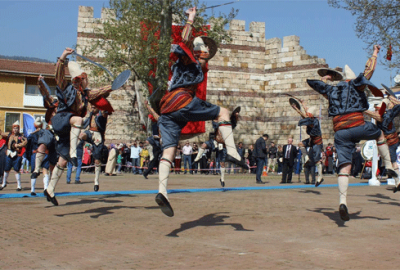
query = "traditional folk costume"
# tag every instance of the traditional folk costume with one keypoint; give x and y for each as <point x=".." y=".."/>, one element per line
<point x="384" y="120"/>
<point x="72" y="101"/>
<point x="218" y="145"/>
<point x="347" y="102"/>
<point x="97" y="123"/>
<point x="315" y="141"/>
<point x="31" y="150"/>
<point x="16" y="143"/>
<point x="180" y="105"/>
<point x="111" y="161"/>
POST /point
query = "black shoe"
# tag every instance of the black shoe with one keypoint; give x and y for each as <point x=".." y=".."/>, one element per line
<point x="391" y="173"/>
<point x="222" y="183"/>
<point x="74" y="161"/>
<point x="233" y="117"/>
<point x="78" y="182"/>
<point x="106" y="174"/>
<point x="53" y="200"/>
<point x="35" y="175"/>
<point x="145" y="176"/>
<point x="319" y="183"/>
<point x="33" y="194"/>
<point x="344" y="214"/>
<point x="165" y="205"/>
<point x="68" y="183"/>
<point x="307" y="183"/>
<point x="313" y="183"/>
<point x="396" y="189"/>
<point x="96" y="187"/>
<point x="241" y="163"/>
<point x="260" y="182"/>
<point x="1" y="187"/>
<point x="19" y="189"/>
<point x="282" y="182"/>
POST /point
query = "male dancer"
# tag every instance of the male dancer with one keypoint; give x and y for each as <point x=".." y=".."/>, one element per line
<point x="16" y="143"/>
<point x="315" y="141"/>
<point x="72" y="106"/>
<point x="385" y="123"/>
<point x="97" y="122"/>
<point x="347" y="102"/>
<point x="31" y="148"/>
<point x="179" y="106"/>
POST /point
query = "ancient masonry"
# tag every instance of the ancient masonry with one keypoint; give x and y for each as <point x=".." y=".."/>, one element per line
<point x="252" y="72"/>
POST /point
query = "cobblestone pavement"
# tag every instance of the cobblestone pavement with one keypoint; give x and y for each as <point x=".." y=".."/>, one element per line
<point x="297" y="228"/>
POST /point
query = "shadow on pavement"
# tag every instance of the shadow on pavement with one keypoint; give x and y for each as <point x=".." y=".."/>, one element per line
<point x="310" y="191"/>
<point x="98" y="212"/>
<point x="209" y="220"/>
<point x="381" y="196"/>
<point x="334" y="215"/>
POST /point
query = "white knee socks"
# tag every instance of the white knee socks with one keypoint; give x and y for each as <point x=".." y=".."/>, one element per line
<point x="227" y="135"/>
<point x="18" y="177"/>
<point x="199" y="154"/>
<point x="97" y="170"/>
<point x="164" y="169"/>
<point x="45" y="181"/>
<point x="5" y="179"/>
<point x="38" y="161"/>
<point x="33" y="183"/>
<point x="222" y="169"/>
<point x="74" y="140"/>
<point x="343" y="181"/>
<point x="383" y="150"/>
<point x="55" y="176"/>
<point x="319" y="165"/>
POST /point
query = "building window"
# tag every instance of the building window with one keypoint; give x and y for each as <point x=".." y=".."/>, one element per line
<point x="10" y="120"/>
<point x="32" y="89"/>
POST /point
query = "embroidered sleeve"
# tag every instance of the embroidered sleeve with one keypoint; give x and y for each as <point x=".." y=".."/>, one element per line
<point x="60" y="74"/>
<point x="95" y="93"/>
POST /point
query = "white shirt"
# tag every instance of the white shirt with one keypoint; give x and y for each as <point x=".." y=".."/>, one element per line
<point x="135" y="151"/>
<point x="187" y="150"/>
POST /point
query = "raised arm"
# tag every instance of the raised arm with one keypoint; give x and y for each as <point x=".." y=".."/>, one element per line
<point x="95" y="93"/>
<point x="60" y="68"/>
<point x="48" y="100"/>
<point x="187" y="30"/>
<point x="153" y="112"/>
<point x="371" y="63"/>
<point x="374" y="115"/>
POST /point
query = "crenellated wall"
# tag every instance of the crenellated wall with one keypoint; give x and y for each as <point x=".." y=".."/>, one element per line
<point x="251" y="71"/>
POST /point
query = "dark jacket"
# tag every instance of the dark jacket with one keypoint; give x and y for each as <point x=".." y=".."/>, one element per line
<point x="272" y="152"/>
<point x="292" y="156"/>
<point x="260" y="148"/>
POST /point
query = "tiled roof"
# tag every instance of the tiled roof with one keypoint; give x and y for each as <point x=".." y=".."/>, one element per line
<point x="28" y="67"/>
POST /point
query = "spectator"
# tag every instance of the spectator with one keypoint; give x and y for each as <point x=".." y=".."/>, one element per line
<point x="272" y="151"/>
<point x="241" y="153"/>
<point x="178" y="158"/>
<point x="187" y="152"/>
<point x="79" y="154"/>
<point x="135" y="157"/>
<point x="299" y="159"/>
<point x="25" y="162"/>
<point x="119" y="160"/>
<point x="144" y="156"/>
<point x="194" y="155"/>
<point x="279" y="158"/>
<point x="289" y="155"/>
<point x="111" y="161"/>
<point x="260" y="153"/>
<point x="250" y="157"/>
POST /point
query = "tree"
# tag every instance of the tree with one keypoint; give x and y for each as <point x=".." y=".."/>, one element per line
<point x="378" y="22"/>
<point x="139" y="37"/>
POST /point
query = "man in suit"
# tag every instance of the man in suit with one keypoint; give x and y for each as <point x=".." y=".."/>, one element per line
<point x="289" y="154"/>
<point x="260" y="153"/>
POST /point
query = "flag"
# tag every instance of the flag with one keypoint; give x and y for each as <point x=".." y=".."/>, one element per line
<point x="389" y="53"/>
<point x="29" y="126"/>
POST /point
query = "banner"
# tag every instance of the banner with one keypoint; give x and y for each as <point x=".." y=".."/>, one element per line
<point x="29" y="126"/>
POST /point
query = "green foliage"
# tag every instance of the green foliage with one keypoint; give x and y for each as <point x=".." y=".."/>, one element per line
<point x="141" y="32"/>
<point x="377" y="23"/>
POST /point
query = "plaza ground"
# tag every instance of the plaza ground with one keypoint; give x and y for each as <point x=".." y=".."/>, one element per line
<point x="273" y="226"/>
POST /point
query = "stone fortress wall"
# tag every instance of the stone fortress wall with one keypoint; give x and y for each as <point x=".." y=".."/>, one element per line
<point x="251" y="71"/>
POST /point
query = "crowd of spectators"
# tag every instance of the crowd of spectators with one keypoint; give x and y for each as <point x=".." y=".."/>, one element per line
<point x="261" y="157"/>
